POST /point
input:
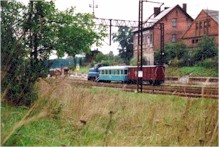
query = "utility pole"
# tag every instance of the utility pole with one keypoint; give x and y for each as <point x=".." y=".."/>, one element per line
<point x="93" y="6"/>
<point x="140" y="47"/>
<point x="140" y="43"/>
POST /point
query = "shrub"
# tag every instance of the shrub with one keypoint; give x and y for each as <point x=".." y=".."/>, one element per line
<point x="173" y="53"/>
<point x="206" y="48"/>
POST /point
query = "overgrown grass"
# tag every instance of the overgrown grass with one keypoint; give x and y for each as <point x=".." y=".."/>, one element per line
<point x="79" y="115"/>
<point x="195" y="71"/>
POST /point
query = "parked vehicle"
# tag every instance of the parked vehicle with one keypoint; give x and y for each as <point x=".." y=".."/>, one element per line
<point x="113" y="73"/>
<point x="153" y="74"/>
<point x="93" y="73"/>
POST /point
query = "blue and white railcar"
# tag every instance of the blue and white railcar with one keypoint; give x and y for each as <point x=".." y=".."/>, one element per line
<point x="93" y="74"/>
<point x="113" y="73"/>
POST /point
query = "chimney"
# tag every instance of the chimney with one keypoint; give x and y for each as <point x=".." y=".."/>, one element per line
<point x="156" y="11"/>
<point x="166" y="8"/>
<point x="184" y="7"/>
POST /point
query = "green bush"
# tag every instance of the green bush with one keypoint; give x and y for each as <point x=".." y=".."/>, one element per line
<point x="174" y="54"/>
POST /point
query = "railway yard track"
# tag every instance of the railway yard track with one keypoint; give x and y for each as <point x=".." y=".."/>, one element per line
<point x="193" y="91"/>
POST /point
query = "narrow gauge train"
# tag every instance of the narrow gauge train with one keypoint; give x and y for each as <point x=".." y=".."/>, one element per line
<point x="153" y="74"/>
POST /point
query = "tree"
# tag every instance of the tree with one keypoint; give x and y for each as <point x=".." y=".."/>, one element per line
<point x="173" y="52"/>
<point x="125" y="38"/>
<point x="13" y="53"/>
<point x="206" y="49"/>
<point x="30" y="34"/>
<point x="100" y="57"/>
<point x="76" y="33"/>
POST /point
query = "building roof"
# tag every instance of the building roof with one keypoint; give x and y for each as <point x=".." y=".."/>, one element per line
<point x="153" y="20"/>
<point x="163" y="13"/>
<point x="213" y="14"/>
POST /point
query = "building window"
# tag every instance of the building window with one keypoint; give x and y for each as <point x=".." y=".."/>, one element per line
<point x="174" y="21"/>
<point x="188" y="22"/>
<point x="196" y="29"/>
<point x="151" y="38"/>
<point x="194" y="41"/>
<point x="200" y="25"/>
<point x="200" y="28"/>
<point x="173" y="38"/>
<point x="206" y="24"/>
<point x="196" y="26"/>
<point x="144" y="39"/>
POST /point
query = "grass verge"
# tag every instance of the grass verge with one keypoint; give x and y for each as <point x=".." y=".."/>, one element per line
<point x="195" y="71"/>
<point x="78" y="115"/>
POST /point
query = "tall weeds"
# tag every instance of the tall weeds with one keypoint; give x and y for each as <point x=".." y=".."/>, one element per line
<point x="100" y="116"/>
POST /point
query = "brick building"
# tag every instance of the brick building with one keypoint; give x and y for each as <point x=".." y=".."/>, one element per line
<point x="176" y="22"/>
<point x="206" y="23"/>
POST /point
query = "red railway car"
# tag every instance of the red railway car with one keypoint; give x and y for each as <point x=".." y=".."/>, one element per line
<point x="154" y="74"/>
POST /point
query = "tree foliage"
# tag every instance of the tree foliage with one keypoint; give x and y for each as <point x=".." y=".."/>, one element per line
<point x="172" y="51"/>
<point x="206" y="49"/>
<point x="107" y="60"/>
<point x="179" y="55"/>
<point x="124" y="37"/>
<point x="13" y="54"/>
<point x="30" y="34"/>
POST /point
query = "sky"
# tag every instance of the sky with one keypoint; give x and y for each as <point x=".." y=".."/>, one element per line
<point x="128" y="10"/>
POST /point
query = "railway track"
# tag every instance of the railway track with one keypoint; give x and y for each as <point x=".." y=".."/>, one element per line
<point x="194" y="91"/>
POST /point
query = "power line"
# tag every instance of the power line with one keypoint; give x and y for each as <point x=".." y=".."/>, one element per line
<point x="118" y="22"/>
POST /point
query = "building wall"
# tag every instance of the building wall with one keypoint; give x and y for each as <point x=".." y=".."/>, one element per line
<point x="148" y="44"/>
<point x="203" y="24"/>
<point x="182" y="24"/>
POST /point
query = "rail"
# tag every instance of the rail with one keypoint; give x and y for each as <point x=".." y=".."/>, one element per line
<point x="195" y="91"/>
<point x="170" y="79"/>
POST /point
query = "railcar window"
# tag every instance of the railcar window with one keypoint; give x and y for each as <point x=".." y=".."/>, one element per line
<point x="102" y="71"/>
<point x="122" y="72"/>
<point x="113" y="72"/>
<point x="106" y="71"/>
<point x="117" y="72"/>
<point x="109" y="71"/>
<point x="126" y="72"/>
